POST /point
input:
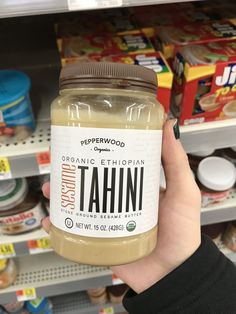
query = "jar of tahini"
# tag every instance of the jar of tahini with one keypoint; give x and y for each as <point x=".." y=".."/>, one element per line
<point x="105" y="152"/>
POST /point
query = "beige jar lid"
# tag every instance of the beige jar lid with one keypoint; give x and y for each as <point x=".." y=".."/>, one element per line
<point x="216" y="173"/>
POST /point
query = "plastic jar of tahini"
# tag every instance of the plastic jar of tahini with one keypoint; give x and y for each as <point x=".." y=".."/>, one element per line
<point x="215" y="177"/>
<point x="105" y="149"/>
<point x="20" y="209"/>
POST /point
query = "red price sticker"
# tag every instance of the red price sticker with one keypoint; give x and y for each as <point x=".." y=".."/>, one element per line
<point x="116" y="280"/>
<point x="43" y="160"/>
<point x="26" y="294"/>
<point x="107" y="310"/>
<point x="39" y="246"/>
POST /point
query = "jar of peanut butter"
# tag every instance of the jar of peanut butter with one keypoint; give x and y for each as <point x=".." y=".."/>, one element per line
<point x="215" y="176"/>
<point x="105" y="150"/>
<point x="20" y="208"/>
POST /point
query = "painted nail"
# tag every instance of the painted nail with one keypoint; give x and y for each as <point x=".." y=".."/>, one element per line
<point x="176" y="129"/>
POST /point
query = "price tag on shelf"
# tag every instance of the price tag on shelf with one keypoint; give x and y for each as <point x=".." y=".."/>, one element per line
<point x="107" y="310"/>
<point x="43" y="160"/>
<point x="39" y="246"/>
<point x="116" y="280"/>
<point x="93" y="4"/>
<point x="26" y="294"/>
<point x="7" y="250"/>
<point x="5" y="169"/>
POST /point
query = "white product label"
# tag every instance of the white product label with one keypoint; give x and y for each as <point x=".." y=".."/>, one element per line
<point x="104" y="182"/>
<point x="93" y="4"/>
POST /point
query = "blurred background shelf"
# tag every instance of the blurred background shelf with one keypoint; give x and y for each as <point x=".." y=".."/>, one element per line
<point x="224" y="211"/>
<point x="79" y="303"/>
<point x="11" y="8"/>
<point x="52" y="275"/>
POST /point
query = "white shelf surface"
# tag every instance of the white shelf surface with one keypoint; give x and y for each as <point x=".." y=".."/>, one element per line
<point x="79" y="303"/>
<point x="202" y="136"/>
<point x="52" y="275"/>
<point x="11" y="8"/>
<point x="221" y="212"/>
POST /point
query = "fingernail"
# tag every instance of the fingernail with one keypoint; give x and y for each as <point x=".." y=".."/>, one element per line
<point x="176" y="129"/>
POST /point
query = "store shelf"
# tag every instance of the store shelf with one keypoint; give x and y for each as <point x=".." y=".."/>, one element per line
<point x="224" y="211"/>
<point x="11" y="8"/>
<point x="52" y="275"/>
<point x="79" y="303"/>
<point x="202" y="136"/>
<point x="21" y="243"/>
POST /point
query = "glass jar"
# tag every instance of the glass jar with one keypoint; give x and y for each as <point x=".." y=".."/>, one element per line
<point x="8" y="272"/>
<point x="20" y="208"/>
<point x="216" y="176"/>
<point x="106" y="152"/>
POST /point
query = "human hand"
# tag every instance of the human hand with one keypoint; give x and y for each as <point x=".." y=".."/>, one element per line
<point x="178" y="222"/>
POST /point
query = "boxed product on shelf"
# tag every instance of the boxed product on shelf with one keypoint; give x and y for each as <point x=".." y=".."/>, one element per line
<point x="205" y="82"/>
<point x="170" y="38"/>
<point x="156" y="62"/>
<point x="117" y="22"/>
<point x="85" y="48"/>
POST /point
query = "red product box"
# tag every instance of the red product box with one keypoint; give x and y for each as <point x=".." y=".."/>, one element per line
<point x="86" y="48"/>
<point x="205" y="82"/>
<point x="170" y="38"/>
<point x="157" y="63"/>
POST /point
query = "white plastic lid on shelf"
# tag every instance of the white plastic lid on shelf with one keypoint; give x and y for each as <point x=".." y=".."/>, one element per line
<point x="12" y="193"/>
<point x="203" y="153"/>
<point x="216" y="173"/>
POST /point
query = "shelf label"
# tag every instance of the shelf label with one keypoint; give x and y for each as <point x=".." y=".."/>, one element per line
<point x="116" y="280"/>
<point x="5" y="169"/>
<point x="43" y="160"/>
<point x="39" y="246"/>
<point x="93" y="4"/>
<point x="107" y="310"/>
<point x="26" y="294"/>
<point x="7" y="250"/>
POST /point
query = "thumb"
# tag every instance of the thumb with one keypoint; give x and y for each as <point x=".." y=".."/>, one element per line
<point x="175" y="161"/>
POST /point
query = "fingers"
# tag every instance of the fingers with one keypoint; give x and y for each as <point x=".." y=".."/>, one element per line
<point x="46" y="224"/>
<point x="46" y="189"/>
<point x="174" y="159"/>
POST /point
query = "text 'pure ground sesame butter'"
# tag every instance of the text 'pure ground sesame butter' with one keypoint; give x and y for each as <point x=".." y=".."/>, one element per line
<point x="105" y="149"/>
